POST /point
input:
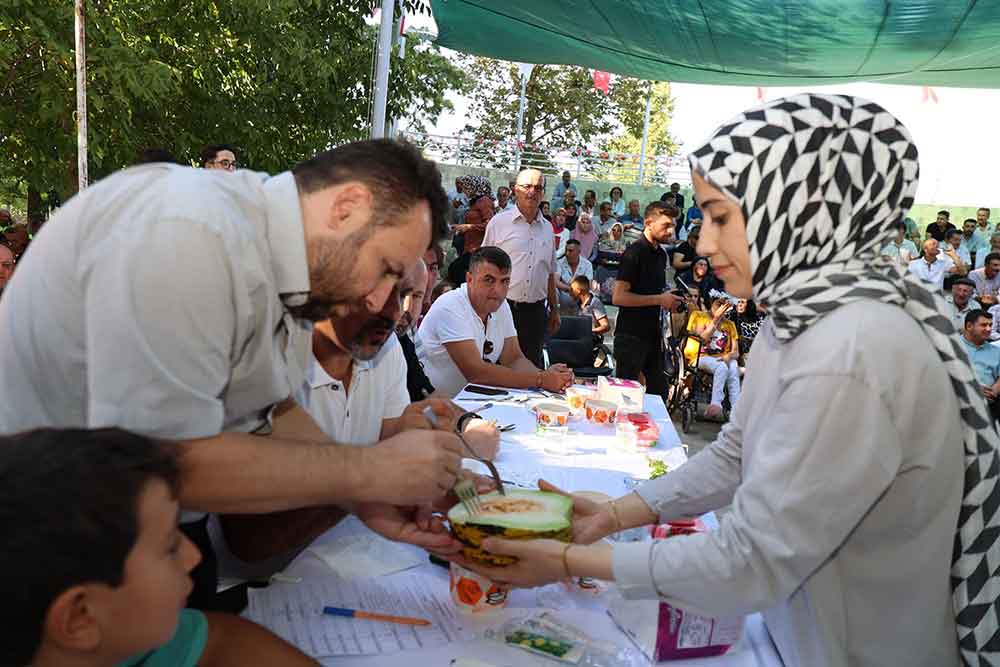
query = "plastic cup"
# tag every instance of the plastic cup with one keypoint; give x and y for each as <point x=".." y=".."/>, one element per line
<point x="473" y="593"/>
<point x="600" y="412"/>
<point x="576" y="397"/>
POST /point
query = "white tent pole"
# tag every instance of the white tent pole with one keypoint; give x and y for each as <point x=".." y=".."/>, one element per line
<point x="645" y="136"/>
<point x="81" y="92"/>
<point x="382" y="69"/>
<point x="525" y="70"/>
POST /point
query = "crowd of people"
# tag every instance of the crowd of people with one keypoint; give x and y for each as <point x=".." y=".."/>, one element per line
<point x="254" y="357"/>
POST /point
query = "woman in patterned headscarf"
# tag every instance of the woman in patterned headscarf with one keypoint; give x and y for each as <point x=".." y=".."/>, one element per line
<point x="843" y="460"/>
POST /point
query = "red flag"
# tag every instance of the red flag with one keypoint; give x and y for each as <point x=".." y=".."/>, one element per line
<point x="602" y="81"/>
<point x="929" y="94"/>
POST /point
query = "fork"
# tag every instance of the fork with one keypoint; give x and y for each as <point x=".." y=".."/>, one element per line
<point x="432" y="418"/>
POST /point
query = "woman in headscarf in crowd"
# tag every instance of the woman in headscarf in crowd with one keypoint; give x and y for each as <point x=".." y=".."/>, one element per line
<point x="544" y="208"/>
<point x="747" y="318"/>
<point x="587" y="236"/>
<point x="480" y="193"/>
<point x="861" y="461"/>
<point x="615" y="241"/>
<point x="562" y="234"/>
<point x="617" y="202"/>
<point x="700" y="281"/>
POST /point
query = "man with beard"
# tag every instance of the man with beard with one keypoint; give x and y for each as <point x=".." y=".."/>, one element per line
<point x="165" y="300"/>
<point x="418" y="386"/>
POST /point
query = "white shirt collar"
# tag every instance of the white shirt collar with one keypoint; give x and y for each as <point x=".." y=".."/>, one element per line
<point x="318" y="377"/>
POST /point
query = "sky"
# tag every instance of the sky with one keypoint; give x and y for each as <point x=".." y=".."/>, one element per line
<point x="955" y="136"/>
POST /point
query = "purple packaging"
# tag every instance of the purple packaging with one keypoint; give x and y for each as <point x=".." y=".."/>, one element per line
<point x="664" y="632"/>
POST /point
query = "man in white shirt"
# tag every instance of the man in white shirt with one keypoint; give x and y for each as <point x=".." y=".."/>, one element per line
<point x="528" y="239"/>
<point x="603" y="223"/>
<point x="992" y="246"/>
<point x="960" y="302"/>
<point x="905" y="250"/>
<point x="984" y="228"/>
<point x="987" y="280"/>
<point x="931" y="268"/>
<point x="504" y="201"/>
<point x="953" y="250"/>
<point x="164" y="299"/>
<point x="469" y="334"/>
<point x="571" y="266"/>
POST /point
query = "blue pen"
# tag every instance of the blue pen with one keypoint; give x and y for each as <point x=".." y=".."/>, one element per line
<point x="357" y="613"/>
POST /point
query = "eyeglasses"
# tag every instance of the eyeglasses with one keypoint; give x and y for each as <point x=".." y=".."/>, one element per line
<point x="224" y="163"/>
<point x="7" y="264"/>
<point x="527" y="187"/>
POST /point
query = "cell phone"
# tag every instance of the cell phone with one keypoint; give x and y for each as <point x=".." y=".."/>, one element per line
<point x="485" y="391"/>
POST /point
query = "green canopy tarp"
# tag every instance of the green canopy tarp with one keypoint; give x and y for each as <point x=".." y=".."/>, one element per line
<point x="740" y="42"/>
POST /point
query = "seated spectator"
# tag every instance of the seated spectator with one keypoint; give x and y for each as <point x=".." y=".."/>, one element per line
<point x="561" y="187"/>
<point x="569" y="199"/>
<point x="544" y="208"/>
<point x="459" y="200"/>
<point x="960" y="301"/>
<point x="987" y="280"/>
<point x="98" y="571"/>
<point x="587" y="236"/>
<point x="617" y="202"/>
<point x="17" y="239"/>
<point x="937" y="229"/>
<point x="715" y="349"/>
<point x="985" y="356"/>
<point x="589" y="204"/>
<point x="685" y="253"/>
<point x="588" y="305"/>
<point x="953" y="250"/>
<point x="747" y="317"/>
<point x="632" y="221"/>
<point x="434" y="259"/>
<point x="562" y="234"/>
<point x="573" y="264"/>
<point x="571" y="216"/>
<point x="478" y="212"/>
<point x="615" y="242"/>
<point x="605" y="219"/>
<point x="900" y="248"/>
<point x="355" y="386"/>
<point x="441" y="289"/>
<point x="219" y="156"/>
<point x="418" y="386"/>
<point x="699" y="281"/>
<point x="971" y="240"/>
<point x="912" y="231"/>
<point x="468" y="335"/>
<point x="7" y="263"/>
<point x="932" y="268"/>
<point x="992" y="247"/>
<point x="504" y="201"/>
<point x="693" y="212"/>
<point x="675" y="193"/>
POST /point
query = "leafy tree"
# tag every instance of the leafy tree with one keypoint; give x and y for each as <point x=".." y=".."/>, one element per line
<point x="281" y="79"/>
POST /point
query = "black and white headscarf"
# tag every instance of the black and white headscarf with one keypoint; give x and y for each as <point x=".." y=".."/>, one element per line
<point x="820" y="180"/>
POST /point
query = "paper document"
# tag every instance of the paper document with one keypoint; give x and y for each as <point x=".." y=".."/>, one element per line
<point x="295" y="613"/>
<point x="366" y="554"/>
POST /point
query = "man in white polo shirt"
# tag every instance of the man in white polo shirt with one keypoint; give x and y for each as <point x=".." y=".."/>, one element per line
<point x="468" y="335"/>
<point x="932" y="268"/>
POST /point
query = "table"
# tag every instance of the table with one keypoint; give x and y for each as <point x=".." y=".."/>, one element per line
<point x="591" y="465"/>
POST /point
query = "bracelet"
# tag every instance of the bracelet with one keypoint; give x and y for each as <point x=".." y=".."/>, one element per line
<point x="565" y="560"/>
<point x="464" y="419"/>
<point x="614" y="512"/>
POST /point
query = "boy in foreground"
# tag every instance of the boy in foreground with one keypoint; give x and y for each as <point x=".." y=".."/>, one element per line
<point x="97" y="568"/>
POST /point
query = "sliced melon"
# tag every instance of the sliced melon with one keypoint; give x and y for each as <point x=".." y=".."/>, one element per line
<point x="520" y="515"/>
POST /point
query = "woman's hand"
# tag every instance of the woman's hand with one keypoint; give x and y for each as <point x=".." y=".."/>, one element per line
<point x="592" y="520"/>
<point x="543" y="562"/>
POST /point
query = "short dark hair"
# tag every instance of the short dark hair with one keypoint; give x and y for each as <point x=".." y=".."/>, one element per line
<point x="964" y="281"/>
<point x="990" y="257"/>
<point x="572" y="242"/>
<point x="972" y="220"/>
<point x="590" y="192"/>
<point x="581" y="281"/>
<point x="974" y="316"/>
<point x="69" y="507"/>
<point x="151" y="155"/>
<point x="397" y="174"/>
<point x="662" y="208"/>
<point x="503" y="187"/>
<point x="983" y="208"/>
<point x="491" y="255"/>
<point x="952" y="232"/>
<point x="899" y="226"/>
<point x="946" y="214"/>
<point x="620" y="191"/>
<point x="209" y="152"/>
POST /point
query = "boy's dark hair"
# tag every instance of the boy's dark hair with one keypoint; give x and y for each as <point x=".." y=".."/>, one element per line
<point x="209" y="152"/>
<point x="582" y="282"/>
<point x="69" y="503"/>
<point x="663" y="208"/>
<point x="395" y="171"/>
<point x="492" y="255"/>
<point x="974" y="316"/>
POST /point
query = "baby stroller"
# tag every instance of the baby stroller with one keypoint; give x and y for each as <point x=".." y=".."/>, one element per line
<point x="687" y="385"/>
<point x="605" y="273"/>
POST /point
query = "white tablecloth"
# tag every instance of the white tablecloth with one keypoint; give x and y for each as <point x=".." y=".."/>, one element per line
<point x="592" y="463"/>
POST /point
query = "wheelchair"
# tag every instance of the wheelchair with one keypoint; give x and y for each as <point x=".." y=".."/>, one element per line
<point x="687" y="385"/>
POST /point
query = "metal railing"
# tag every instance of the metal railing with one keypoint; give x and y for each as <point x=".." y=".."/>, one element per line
<point x="583" y="163"/>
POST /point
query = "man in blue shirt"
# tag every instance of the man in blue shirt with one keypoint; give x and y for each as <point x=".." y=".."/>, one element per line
<point x="561" y="188"/>
<point x="985" y="357"/>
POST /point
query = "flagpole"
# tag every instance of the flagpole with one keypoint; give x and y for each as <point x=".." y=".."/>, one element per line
<point x="382" y="69"/>
<point x="645" y="136"/>
<point x="81" y="92"/>
<point x="525" y="70"/>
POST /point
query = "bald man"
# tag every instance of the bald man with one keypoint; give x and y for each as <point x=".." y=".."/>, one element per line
<point x="524" y="234"/>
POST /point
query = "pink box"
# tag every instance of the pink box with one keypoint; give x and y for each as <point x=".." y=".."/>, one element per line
<point x="615" y="389"/>
<point x="663" y="632"/>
